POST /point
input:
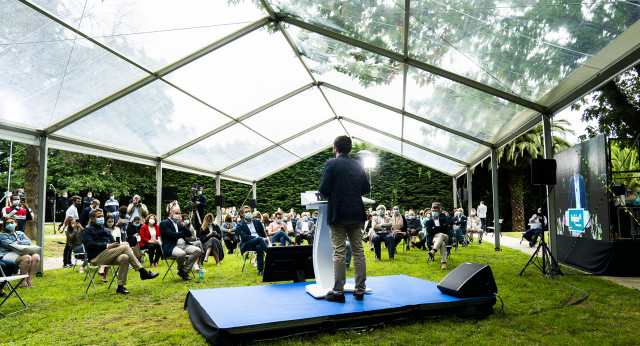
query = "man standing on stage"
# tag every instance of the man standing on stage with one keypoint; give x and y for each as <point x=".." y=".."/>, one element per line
<point x="343" y="184"/>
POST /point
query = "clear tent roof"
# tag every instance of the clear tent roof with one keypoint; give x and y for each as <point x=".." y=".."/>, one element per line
<point x="243" y="89"/>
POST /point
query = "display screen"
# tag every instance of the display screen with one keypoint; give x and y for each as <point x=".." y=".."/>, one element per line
<point x="581" y="190"/>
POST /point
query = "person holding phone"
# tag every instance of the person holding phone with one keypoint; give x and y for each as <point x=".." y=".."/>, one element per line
<point x="102" y="248"/>
<point x="18" y="210"/>
<point x="137" y="208"/>
<point x="277" y="230"/>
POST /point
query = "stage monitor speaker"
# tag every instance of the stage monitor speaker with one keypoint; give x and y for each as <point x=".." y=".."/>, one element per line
<point x="169" y="193"/>
<point x="463" y="194"/>
<point x="469" y="280"/>
<point x="253" y="203"/>
<point x="288" y="263"/>
<point x="543" y="172"/>
<point x="220" y="201"/>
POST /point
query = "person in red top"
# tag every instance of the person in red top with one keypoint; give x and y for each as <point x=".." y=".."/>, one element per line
<point x="150" y="239"/>
<point x="18" y="210"/>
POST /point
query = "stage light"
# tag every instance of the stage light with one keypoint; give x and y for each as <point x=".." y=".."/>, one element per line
<point x="369" y="160"/>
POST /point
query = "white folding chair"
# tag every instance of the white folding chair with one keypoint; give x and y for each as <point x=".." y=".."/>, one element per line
<point x="12" y="290"/>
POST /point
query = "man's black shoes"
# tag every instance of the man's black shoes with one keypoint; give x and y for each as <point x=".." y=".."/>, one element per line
<point x="359" y="296"/>
<point x="184" y="275"/>
<point x="122" y="290"/>
<point x="260" y="272"/>
<point x="146" y="275"/>
<point x="334" y="297"/>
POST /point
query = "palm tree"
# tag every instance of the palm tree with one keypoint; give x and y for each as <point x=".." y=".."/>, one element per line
<point x="515" y="158"/>
<point x="625" y="159"/>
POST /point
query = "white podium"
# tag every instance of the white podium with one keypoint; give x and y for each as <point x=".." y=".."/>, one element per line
<point x="323" y="249"/>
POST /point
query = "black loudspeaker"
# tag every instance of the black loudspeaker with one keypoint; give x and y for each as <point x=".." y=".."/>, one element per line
<point x="220" y="200"/>
<point x="543" y="172"/>
<point x="469" y="280"/>
<point x="463" y="194"/>
<point x="169" y="193"/>
<point x="253" y="203"/>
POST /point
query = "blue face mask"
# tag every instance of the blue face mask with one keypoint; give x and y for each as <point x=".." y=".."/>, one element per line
<point x="396" y="212"/>
<point x="100" y="221"/>
<point x="11" y="227"/>
<point x="247" y="216"/>
<point x="411" y="217"/>
<point x="186" y="222"/>
<point x="380" y="212"/>
<point x="435" y="214"/>
<point x="279" y="220"/>
<point x="176" y="217"/>
<point x="305" y="219"/>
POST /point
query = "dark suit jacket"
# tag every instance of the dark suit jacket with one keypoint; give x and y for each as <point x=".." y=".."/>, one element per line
<point x="84" y="217"/>
<point x="170" y="236"/>
<point x="245" y="233"/>
<point x="343" y="184"/>
<point x="445" y="222"/>
<point x="95" y="239"/>
<point x="582" y="192"/>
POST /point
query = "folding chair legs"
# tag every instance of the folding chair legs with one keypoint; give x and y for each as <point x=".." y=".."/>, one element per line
<point x="169" y="270"/>
<point x="12" y="290"/>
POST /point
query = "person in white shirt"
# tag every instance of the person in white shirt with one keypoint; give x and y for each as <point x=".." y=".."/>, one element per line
<point x="482" y="214"/>
<point x="474" y="225"/>
<point x="537" y="221"/>
<point x="305" y="229"/>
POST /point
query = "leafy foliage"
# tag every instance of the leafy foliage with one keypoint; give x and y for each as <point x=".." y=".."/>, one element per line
<point x="624" y="159"/>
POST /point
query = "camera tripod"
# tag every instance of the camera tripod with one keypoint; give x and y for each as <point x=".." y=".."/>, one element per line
<point x="547" y="264"/>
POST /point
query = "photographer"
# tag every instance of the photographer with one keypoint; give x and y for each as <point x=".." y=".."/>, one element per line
<point x="200" y="202"/>
<point x="136" y="208"/>
<point x="277" y="230"/>
<point x="536" y="221"/>
<point x="18" y="210"/>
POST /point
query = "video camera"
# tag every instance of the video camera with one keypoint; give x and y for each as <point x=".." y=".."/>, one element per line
<point x="194" y="191"/>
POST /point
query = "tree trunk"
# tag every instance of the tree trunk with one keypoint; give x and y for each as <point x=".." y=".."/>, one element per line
<point x="627" y="112"/>
<point x="32" y="166"/>
<point x="516" y="187"/>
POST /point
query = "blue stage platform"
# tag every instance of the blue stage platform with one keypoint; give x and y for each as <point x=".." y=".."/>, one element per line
<point x="234" y="314"/>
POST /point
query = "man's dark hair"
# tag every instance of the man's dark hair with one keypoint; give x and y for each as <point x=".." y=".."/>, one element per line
<point x="94" y="211"/>
<point x="342" y="144"/>
<point x="76" y="198"/>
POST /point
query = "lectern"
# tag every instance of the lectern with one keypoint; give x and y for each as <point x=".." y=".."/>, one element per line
<point x="322" y="247"/>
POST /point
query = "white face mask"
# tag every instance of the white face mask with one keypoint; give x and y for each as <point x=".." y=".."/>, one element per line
<point x="152" y="222"/>
<point x="473" y="213"/>
<point x="110" y="224"/>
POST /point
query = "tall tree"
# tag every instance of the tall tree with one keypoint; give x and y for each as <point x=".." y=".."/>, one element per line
<point x="515" y="158"/>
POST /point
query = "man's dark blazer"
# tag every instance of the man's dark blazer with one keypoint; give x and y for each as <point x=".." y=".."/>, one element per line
<point x="343" y="184"/>
<point x="84" y="217"/>
<point x="445" y="222"/>
<point x="245" y="233"/>
<point x="95" y="239"/>
<point x="170" y="237"/>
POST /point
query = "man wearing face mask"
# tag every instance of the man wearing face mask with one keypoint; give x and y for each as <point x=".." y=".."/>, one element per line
<point x="62" y="205"/>
<point x="72" y="212"/>
<point x="414" y="226"/>
<point x="103" y="249"/>
<point x="381" y="224"/>
<point x="537" y="221"/>
<point x="460" y="224"/>
<point x="84" y="217"/>
<point x="305" y="229"/>
<point x="87" y="200"/>
<point x="253" y="237"/>
<point x="111" y="206"/>
<point x="173" y="233"/>
<point x="137" y="208"/>
<point x="474" y="225"/>
<point x="18" y="210"/>
<point x="200" y="205"/>
<point x="438" y="234"/>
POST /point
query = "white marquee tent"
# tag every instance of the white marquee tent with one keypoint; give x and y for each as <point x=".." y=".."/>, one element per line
<point x="242" y="89"/>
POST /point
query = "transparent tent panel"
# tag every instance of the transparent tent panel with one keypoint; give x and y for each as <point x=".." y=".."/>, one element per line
<point x="439" y="140"/>
<point x="374" y="138"/>
<point x="315" y="140"/>
<point x="365" y="112"/>
<point x="350" y="68"/>
<point x="524" y="49"/>
<point x="430" y="159"/>
<point x="291" y="116"/>
<point x="263" y="164"/>
<point x="244" y="74"/>
<point x="223" y="149"/>
<point x="155" y="33"/>
<point x="153" y="119"/>
<point x="457" y="106"/>
<point x="380" y="23"/>
<point x="46" y="75"/>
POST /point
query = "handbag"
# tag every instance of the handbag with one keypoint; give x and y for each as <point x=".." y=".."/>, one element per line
<point x="24" y="249"/>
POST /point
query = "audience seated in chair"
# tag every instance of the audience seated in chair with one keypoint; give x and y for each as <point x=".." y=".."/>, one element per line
<point x="305" y="229"/>
<point x="253" y="237"/>
<point x="382" y="226"/>
<point x="229" y="234"/>
<point x="28" y="263"/>
<point x="174" y="233"/>
<point x="102" y="249"/>
<point x="277" y="230"/>
<point x="414" y="226"/>
<point x="193" y="239"/>
<point x="211" y="237"/>
<point x="438" y="229"/>
<point x="460" y="225"/>
<point x="474" y="225"/>
<point x="149" y="237"/>
<point x="398" y="227"/>
<point x="8" y="268"/>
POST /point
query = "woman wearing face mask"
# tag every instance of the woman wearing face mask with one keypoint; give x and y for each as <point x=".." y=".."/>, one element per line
<point x="474" y="225"/>
<point x="116" y="232"/>
<point x="74" y="241"/>
<point x="150" y="238"/>
<point x="28" y="263"/>
<point x="193" y="240"/>
<point x="211" y="236"/>
<point x="231" y="239"/>
<point x="382" y="226"/>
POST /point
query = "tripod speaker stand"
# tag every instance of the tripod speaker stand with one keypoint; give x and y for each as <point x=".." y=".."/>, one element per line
<point x="547" y="264"/>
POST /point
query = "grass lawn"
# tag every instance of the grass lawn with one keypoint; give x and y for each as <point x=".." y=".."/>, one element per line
<point x="536" y="308"/>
